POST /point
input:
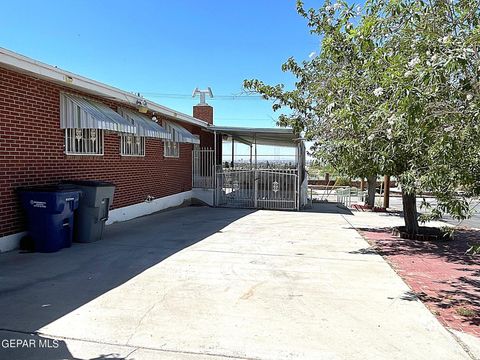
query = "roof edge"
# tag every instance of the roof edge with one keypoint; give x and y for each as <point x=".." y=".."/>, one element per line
<point x="28" y="65"/>
<point x="276" y="130"/>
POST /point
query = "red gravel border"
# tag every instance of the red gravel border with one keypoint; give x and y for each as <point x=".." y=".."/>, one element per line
<point x="439" y="273"/>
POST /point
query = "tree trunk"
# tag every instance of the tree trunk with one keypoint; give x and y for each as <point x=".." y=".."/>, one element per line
<point x="362" y="184"/>
<point x="410" y="212"/>
<point x="386" y="192"/>
<point x="372" y="185"/>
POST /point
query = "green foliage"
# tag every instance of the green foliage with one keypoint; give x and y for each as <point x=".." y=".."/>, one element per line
<point x="342" y="181"/>
<point x="473" y="250"/>
<point x="462" y="311"/>
<point x="394" y="90"/>
<point x="320" y="170"/>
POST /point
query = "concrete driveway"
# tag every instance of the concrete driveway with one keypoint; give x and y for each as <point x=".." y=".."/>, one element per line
<point x="203" y="283"/>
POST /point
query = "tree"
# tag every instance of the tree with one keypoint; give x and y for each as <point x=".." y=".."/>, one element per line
<point x="394" y="90"/>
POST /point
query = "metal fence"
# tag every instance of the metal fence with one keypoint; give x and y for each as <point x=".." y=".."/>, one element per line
<point x="345" y="195"/>
<point x="203" y="168"/>
<point x="246" y="187"/>
<point x="265" y="189"/>
<point x="236" y="188"/>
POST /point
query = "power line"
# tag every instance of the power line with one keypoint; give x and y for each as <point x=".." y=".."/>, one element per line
<point x="216" y="97"/>
<point x="244" y="118"/>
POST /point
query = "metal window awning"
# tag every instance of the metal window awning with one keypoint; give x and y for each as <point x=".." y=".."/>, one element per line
<point x="182" y="134"/>
<point x="79" y="113"/>
<point x="145" y="126"/>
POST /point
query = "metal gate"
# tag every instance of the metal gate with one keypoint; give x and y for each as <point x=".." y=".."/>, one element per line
<point x="260" y="188"/>
<point x="203" y="168"/>
<point x="245" y="187"/>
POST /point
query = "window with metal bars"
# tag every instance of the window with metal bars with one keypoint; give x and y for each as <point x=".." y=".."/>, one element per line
<point x="131" y="145"/>
<point x="171" y="148"/>
<point x="84" y="141"/>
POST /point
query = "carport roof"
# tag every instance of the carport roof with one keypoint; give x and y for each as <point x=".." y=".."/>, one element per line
<point x="260" y="136"/>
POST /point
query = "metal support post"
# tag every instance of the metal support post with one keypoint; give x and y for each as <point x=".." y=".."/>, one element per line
<point x="233" y="151"/>
<point x="215" y="169"/>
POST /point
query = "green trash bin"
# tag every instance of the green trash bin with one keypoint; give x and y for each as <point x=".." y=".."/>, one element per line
<point x="92" y="212"/>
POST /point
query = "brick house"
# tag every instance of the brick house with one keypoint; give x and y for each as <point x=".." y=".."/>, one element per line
<point x="55" y="125"/>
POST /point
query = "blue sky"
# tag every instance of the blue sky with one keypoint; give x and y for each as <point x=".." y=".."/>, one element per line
<point x="166" y="47"/>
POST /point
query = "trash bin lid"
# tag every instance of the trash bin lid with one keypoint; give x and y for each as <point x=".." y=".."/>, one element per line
<point x="42" y="188"/>
<point x="93" y="183"/>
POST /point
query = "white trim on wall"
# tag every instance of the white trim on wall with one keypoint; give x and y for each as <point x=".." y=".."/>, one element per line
<point x="146" y="208"/>
<point x="12" y="242"/>
<point x="203" y="195"/>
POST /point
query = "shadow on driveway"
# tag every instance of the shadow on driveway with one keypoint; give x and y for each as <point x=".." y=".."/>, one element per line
<point x="37" y="289"/>
<point x="440" y="273"/>
<point x="329" y="208"/>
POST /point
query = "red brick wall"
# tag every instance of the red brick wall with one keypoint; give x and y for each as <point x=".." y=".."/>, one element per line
<point x="32" y="152"/>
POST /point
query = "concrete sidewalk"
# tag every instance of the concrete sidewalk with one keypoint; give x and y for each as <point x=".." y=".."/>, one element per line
<point x="203" y="283"/>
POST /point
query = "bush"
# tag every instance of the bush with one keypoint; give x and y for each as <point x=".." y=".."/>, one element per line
<point x="473" y="250"/>
<point x="342" y="181"/>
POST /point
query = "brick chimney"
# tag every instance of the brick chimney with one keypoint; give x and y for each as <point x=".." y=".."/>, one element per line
<point x="202" y="110"/>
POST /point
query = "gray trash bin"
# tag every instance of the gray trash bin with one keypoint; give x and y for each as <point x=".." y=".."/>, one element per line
<point x="92" y="212"/>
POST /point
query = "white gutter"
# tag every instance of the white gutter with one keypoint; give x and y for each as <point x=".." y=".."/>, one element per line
<point x="27" y="65"/>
